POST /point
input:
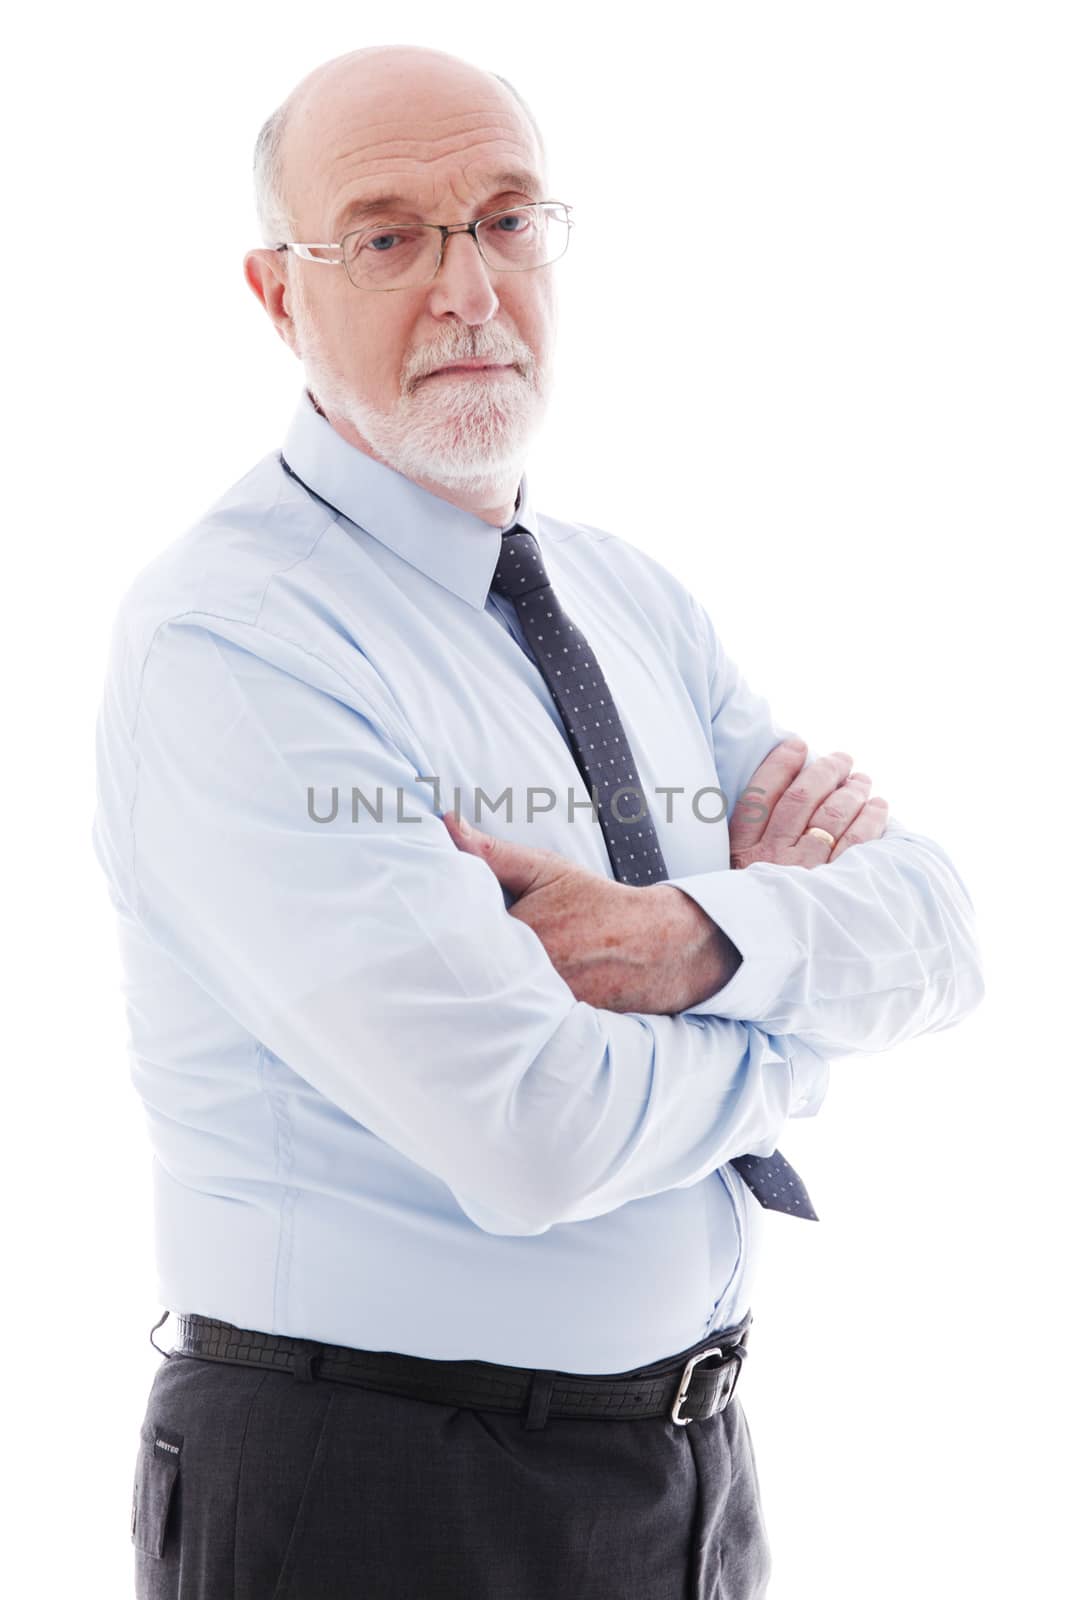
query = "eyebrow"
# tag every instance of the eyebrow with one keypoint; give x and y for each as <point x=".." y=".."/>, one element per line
<point x="517" y="181"/>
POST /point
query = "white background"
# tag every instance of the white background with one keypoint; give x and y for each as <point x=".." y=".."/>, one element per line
<point x="812" y="357"/>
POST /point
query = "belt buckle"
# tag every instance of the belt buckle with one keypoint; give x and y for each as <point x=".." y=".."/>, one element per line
<point x="683" y="1387"/>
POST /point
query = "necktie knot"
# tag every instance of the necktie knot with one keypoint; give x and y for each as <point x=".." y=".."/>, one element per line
<point x="520" y="569"/>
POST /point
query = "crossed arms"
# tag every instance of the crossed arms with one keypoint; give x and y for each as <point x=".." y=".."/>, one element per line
<point x="381" y="966"/>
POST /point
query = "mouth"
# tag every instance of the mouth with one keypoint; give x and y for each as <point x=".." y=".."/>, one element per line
<point x="472" y="369"/>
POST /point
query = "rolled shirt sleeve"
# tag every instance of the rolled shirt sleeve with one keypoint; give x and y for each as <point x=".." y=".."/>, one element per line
<point x="858" y="954"/>
<point x="378" y="961"/>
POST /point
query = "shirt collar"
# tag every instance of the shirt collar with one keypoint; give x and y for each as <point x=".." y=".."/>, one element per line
<point x="453" y="547"/>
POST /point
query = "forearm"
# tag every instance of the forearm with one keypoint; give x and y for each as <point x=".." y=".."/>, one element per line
<point x="859" y="955"/>
<point x="699" y="956"/>
<point x="387" y="974"/>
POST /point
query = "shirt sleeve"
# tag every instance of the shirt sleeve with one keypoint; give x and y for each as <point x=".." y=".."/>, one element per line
<point x="859" y="954"/>
<point x="379" y="962"/>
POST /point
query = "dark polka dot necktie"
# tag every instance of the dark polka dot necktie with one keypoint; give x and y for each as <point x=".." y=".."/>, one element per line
<point x="609" y="771"/>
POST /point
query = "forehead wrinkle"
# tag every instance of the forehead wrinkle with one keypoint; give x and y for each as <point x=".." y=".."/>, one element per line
<point x="382" y="104"/>
<point x="422" y="151"/>
<point x="389" y="177"/>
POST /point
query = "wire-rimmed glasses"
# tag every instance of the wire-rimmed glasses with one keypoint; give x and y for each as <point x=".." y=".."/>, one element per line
<point x="406" y="255"/>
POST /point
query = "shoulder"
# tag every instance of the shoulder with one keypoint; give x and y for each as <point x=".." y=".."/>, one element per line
<point x="249" y="579"/>
<point x="224" y="563"/>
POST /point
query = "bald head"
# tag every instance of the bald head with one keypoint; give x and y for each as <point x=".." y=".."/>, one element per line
<point x="368" y="141"/>
<point x="395" y="84"/>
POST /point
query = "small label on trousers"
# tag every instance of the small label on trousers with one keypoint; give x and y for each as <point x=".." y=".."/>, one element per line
<point x="169" y="1445"/>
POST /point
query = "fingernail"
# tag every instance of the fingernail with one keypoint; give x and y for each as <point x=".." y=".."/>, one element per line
<point x="464" y="825"/>
<point x="794" y="744"/>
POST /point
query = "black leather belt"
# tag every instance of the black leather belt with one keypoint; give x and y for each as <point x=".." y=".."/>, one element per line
<point x="688" y="1387"/>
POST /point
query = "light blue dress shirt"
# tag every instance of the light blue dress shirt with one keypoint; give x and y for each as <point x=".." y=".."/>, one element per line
<point x="378" y="1115"/>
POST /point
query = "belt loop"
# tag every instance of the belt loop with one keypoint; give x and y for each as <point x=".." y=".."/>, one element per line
<point x="303" y="1371"/>
<point x="151" y="1331"/>
<point x="538" y="1400"/>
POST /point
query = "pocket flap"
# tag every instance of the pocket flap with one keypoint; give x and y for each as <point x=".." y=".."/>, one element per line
<point x="158" y="1464"/>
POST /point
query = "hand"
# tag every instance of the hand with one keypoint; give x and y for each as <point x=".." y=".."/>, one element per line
<point x="618" y="946"/>
<point x="781" y="802"/>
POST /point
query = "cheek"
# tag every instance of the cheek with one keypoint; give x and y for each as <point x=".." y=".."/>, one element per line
<point x="378" y="347"/>
<point x="324" y="320"/>
<point x="541" y="311"/>
<point x="368" y="350"/>
<point x="535" y="312"/>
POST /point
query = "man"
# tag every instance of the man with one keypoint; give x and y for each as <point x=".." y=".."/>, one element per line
<point x="463" y="1137"/>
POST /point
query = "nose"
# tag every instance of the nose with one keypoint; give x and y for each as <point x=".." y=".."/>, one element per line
<point x="463" y="286"/>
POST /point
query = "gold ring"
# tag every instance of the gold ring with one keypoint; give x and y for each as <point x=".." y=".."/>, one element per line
<point x="821" y="833"/>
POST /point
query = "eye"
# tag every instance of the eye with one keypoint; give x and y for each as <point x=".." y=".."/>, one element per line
<point x="519" y="218"/>
<point x="378" y="244"/>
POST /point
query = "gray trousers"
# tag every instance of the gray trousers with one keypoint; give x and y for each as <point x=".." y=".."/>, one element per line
<point x="252" y="1485"/>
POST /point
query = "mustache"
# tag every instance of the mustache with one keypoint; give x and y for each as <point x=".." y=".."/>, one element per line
<point x="518" y="355"/>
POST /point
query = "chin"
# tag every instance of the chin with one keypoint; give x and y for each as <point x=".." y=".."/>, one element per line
<point x="464" y="438"/>
<point x="471" y="441"/>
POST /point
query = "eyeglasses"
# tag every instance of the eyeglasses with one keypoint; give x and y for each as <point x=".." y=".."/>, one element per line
<point x="405" y="255"/>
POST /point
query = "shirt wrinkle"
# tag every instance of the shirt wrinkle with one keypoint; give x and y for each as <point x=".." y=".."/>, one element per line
<point x="435" y="1148"/>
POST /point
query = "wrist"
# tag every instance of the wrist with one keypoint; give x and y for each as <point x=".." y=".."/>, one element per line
<point x="703" y="957"/>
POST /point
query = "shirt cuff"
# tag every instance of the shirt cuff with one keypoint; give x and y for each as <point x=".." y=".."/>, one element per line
<point x="743" y="905"/>
<point x="810" y="1075"/>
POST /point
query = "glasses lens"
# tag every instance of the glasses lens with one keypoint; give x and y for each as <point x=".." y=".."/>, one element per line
<point x="391" y="257"/>
<point x="529" y="236"/>
<point x="401" y="256"/>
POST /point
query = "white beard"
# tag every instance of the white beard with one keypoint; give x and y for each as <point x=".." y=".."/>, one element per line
<point x="468" y="435"/>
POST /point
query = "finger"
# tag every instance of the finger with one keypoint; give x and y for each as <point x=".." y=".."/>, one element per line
<point x="518" y="867"/>
<point x="808" y="790"/>
<point x="760" y="796"/>
<point x="841" y="808"/>
<point x="835" y="816"/>
<point x="869" y="824"/>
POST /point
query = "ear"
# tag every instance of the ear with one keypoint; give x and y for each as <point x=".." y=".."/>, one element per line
<point x="267" y="275"/>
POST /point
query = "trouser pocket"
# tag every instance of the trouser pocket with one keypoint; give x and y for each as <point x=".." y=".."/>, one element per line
<point x="154" y="1483"/>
